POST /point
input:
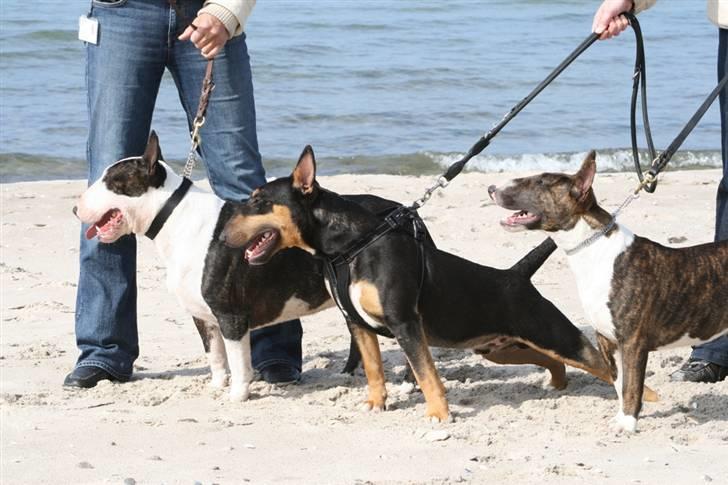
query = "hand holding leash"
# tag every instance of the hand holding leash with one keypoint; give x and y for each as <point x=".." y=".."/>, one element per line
<point x="609" y="21"/>
<point x="207" y="33"/>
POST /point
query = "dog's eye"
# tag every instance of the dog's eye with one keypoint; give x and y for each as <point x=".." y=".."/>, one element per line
<point x="540" y="181"/>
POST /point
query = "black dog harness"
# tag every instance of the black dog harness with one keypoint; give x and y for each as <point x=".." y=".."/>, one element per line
<point x="168" y="208"/>
<point x="337" y="269"/>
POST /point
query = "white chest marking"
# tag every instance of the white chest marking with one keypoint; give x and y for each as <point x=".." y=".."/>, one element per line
<point x="593" y="268"/>
<point x="183" y="244"/>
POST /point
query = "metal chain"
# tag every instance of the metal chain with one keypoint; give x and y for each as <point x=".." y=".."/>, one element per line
<point x="195" y="140"/>
<point x="597" y="235"/>
<point x="440" y="184"/>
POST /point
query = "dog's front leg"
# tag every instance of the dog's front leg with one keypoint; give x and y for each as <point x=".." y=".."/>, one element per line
<point x="632" y="377"/>
<point x="214" y="350"/>
<point x="411" y="337"/>
<point x="608" y="350"/>
<point x="241" y="367"/>
<point x="354" y="359"/>
<point x="372" y="360"/>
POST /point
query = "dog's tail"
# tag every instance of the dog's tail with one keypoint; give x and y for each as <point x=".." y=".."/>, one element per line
<point x="531" y="262"/>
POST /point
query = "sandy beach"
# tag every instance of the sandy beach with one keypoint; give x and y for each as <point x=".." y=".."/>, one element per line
<point x="166" y="426"/>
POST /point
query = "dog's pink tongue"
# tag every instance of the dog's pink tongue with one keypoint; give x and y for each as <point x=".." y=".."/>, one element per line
<point x="91" y="232"/>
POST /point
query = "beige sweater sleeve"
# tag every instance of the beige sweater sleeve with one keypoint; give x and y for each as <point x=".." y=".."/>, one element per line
<point x="232" y="13"/>
<point x="640" y="5"/>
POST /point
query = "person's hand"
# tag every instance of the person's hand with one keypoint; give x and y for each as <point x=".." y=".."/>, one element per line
<point x="607" y="21"/>
<point x="207" y="33"/>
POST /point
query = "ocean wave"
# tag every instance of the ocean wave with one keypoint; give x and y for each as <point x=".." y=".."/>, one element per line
<point x="22" y="167"/>
<point x="608" y="160"/>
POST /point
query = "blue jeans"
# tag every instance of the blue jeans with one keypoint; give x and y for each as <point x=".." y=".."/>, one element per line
<point x="716" y="351"/>
<point x="137" y="41"/>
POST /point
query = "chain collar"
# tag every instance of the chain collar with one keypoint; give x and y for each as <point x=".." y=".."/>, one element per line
<point x="599" y="234"/>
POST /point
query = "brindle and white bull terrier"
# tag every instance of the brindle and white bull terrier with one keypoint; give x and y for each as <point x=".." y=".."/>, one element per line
<point x="639" y="295"/>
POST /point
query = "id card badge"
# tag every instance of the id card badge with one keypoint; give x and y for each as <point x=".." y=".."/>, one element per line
<point x="88" y="29"/>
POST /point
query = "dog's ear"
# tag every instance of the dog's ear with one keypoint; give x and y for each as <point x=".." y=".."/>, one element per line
<point x="152" y="154"/>
<point x="304" y="175"/>
<point x="585" y="176"/>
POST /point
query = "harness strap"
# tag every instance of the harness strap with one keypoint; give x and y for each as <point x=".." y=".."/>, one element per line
<point x="168" y="208"/>
<point x="338" y="271"/>
<point x="394" y="220"/>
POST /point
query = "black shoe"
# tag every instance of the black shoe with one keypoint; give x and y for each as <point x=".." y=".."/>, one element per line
<point x="696" y="370"/>
<point x="86" y="377"/>
<point x="280" y="374"/>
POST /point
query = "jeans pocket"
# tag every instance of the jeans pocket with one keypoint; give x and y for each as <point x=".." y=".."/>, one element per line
<point x="108" y="3"/>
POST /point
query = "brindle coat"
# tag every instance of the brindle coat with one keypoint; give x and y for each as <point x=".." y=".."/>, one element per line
<point x="656" y="296"/>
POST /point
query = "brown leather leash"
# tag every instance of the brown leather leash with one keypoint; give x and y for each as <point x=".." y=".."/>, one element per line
<point x="195" y="139"/>
<point x="207" y="86"/>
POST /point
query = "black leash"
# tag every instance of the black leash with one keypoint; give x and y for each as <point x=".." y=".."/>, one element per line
<point x="484" y="141"/>
<point x="639" y="85"/>
<point x="648" y="181"/>
<point x="337" y="268"/>
<point x="639" y="81"/>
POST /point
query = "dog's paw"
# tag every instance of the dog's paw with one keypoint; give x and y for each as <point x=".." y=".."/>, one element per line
<point x="219" y="381"/>
<point x="438" y="416"/>
<point x="621" y="422"/>
<point x="438" y="420"/>
<point x="374" y="405"/>
<point x="239" y="393"/>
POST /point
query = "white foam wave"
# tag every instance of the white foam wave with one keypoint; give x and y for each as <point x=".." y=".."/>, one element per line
<point x="609" y="160"/>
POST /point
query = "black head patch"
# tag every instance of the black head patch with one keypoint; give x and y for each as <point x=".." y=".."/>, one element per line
<point x="132" y="177"/>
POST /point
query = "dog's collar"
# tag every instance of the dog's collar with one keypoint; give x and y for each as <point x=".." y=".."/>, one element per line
<point x="167" y="208"/>
<point x="603" y="231"/>
<point x="592" y="239"/>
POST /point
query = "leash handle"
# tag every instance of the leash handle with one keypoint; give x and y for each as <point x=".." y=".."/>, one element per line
<point x="639" y="86"/>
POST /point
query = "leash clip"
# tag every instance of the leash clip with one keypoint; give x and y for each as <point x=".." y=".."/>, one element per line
<point x="441" y="183"/>
<point x="647" y="179"/>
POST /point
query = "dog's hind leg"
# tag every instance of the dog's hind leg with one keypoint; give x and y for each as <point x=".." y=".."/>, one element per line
<point x="551" y="333"/>
<point x="608" y="349"/>
<point x="519" y="355"/>
<point x="372" y="360"/>
<point x="214" y="350"/>
<point x="241" y="367"/>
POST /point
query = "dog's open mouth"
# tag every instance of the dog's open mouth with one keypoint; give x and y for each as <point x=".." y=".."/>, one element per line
<point x="520" y="220"/>
<point x="261" y="246"/>
<point x="105" y="227"/>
